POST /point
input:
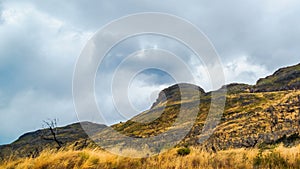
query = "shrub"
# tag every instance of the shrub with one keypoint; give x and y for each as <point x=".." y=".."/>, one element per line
<point x="271" y="160"/>
<point x="183" y="151"/>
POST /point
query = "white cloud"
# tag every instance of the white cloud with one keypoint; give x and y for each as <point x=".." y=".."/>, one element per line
<point x="243" y="71"/>
<point x="238" y="70"/>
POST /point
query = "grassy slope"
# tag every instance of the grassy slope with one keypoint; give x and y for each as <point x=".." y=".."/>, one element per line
<point x="249" y="120"/>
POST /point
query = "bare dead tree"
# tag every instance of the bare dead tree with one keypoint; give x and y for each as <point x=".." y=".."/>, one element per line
<point x="52" y="126"/>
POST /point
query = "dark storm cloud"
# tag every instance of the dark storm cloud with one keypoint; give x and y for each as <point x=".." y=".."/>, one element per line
<point x="258" y="29"/>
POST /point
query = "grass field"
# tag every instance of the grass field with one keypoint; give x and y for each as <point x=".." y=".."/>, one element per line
<point x="270" y="157"/>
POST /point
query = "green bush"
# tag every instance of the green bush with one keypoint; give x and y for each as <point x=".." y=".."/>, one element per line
<point x="183" y="151"/>
<point x="271" y="160"/>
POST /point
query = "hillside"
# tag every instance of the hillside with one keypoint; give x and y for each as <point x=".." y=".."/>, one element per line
<point x="283" y="79"/>
<point x="255" y="115"/>
<point x="32" y="143"/>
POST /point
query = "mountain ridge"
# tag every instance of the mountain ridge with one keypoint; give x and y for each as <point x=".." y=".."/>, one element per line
<point x="264" y="113"/>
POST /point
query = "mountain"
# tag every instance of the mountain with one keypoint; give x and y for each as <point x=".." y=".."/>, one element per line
<point x="254" y="115"/>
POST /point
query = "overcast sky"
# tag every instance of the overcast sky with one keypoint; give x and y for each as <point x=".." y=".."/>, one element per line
<point x="41" y="40"/>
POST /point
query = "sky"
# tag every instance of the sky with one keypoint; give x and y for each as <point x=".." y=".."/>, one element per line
<point x="40" y="42"/>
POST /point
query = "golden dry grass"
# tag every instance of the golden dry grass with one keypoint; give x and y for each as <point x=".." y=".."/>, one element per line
<point x="279" y="157"/>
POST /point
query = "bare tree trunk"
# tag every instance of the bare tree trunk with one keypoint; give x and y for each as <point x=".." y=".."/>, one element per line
<point x="52" y="126"/>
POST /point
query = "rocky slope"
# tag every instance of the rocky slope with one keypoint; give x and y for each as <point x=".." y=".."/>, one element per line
<point x="283" y="79"/>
